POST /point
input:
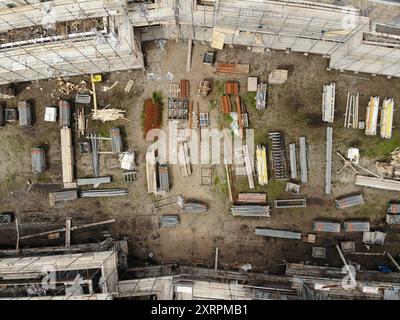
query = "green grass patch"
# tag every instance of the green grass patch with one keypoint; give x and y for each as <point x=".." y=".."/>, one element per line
<point x="220" y="187"/>
<point x="249" y="99"/>
<point x="158" y="97"/>
<point x="275" y="188"/>
<point x="376" y="147"/>
<point x="212" y="105"/>
<point x="219" y="88"/>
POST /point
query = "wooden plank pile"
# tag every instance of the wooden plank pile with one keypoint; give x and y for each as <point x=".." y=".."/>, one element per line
<point x="204" y="88"/>
<point x="184" y="159"/>
<point x="67" y="157"/>
<point x="277" y="76"/>
<point x="233" y="68"/>
<point x="108" y="114"/>
<point x="151" y="172"/>
<point x="371" y="118"/>
<point x="174" y="89"/>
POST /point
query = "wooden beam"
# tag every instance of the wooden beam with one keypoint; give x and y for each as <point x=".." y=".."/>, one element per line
<point x="68" y="224"/>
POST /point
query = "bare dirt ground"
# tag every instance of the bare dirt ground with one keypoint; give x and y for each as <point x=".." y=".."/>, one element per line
<point x="293" y="108"/>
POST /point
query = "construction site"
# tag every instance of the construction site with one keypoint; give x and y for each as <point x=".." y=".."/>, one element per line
<point x="199" y="149"/>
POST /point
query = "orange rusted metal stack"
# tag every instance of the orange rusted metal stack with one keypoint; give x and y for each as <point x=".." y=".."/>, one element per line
<point x="152" y="117"/>
<point x="233" y="68"/>
<point x="232" y="87"/>
<point x="252" y="197"/>
<point x="226" y="104"/>
<point x="185" y="89"/>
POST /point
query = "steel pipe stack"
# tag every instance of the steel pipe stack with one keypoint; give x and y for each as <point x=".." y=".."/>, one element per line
<point x="38" y="160"/>
<point x="195" y="207"/>
<point x="250" y="211"/>
<point x="64" y="110"/>
<point x="24" y="114"/>
<point x="92" y="193"/>
<point x="116" y="141"/>
<point x="350" y="201"/>
<point x="168" y="221"/>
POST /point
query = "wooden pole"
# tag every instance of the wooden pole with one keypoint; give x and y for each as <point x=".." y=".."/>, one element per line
<point x="394" y="261"/>
<point x="68" y="224"/>
<point x="216" y="258"/>
<point x="64" y="229"/>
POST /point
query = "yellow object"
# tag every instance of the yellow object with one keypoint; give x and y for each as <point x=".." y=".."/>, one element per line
<point x="262" y="171"/>
<point x="96" y="78"/>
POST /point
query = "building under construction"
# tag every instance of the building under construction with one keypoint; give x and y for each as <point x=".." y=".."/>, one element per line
<point x="62" y="38"/>
<point x="100" y="272"/>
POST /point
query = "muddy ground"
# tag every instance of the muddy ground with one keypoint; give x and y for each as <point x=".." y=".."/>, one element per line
<point x="293" y="108"/>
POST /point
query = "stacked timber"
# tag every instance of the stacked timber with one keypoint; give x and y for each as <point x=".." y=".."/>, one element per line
<point x="250" y="210"/>
<point x="351" y="115"/>
<point x="252" y="198"/>
<point x="262" y="170"/>
<point x="240" y="116"/>
<point x="184" y="89"/>
<point x="277" y="76"/>
<point x="184" y="159"/>
<point x="328" y="102"/>
<point x="378" y="183"/>
<point x="356" y="226"/>
<point x="248" y="166"/>
<point x="387" y="118"/>
<point x="25" y="114"/>
<point x="204" y="88"/>
<point x="371" y="118"/>
<point x="67" y="157"/>
<point x="168" y="221"/>
<point x="174" y="89"/>
<point x="226" y="104"/>
<point x="108" y="114"/>
<point x="232" y="87"/>
<point x="233" y="68"/>
<point x="151" y="172"/>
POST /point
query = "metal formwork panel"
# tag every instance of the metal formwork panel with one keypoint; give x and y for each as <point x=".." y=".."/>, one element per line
<point x="293" y="161"/>
<point x="25" y="114"/>
<point x="303" y="160"/>
<point x="64" y="110"/>
<point x="328" y="169"/>
<point x="116" y="140"/>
